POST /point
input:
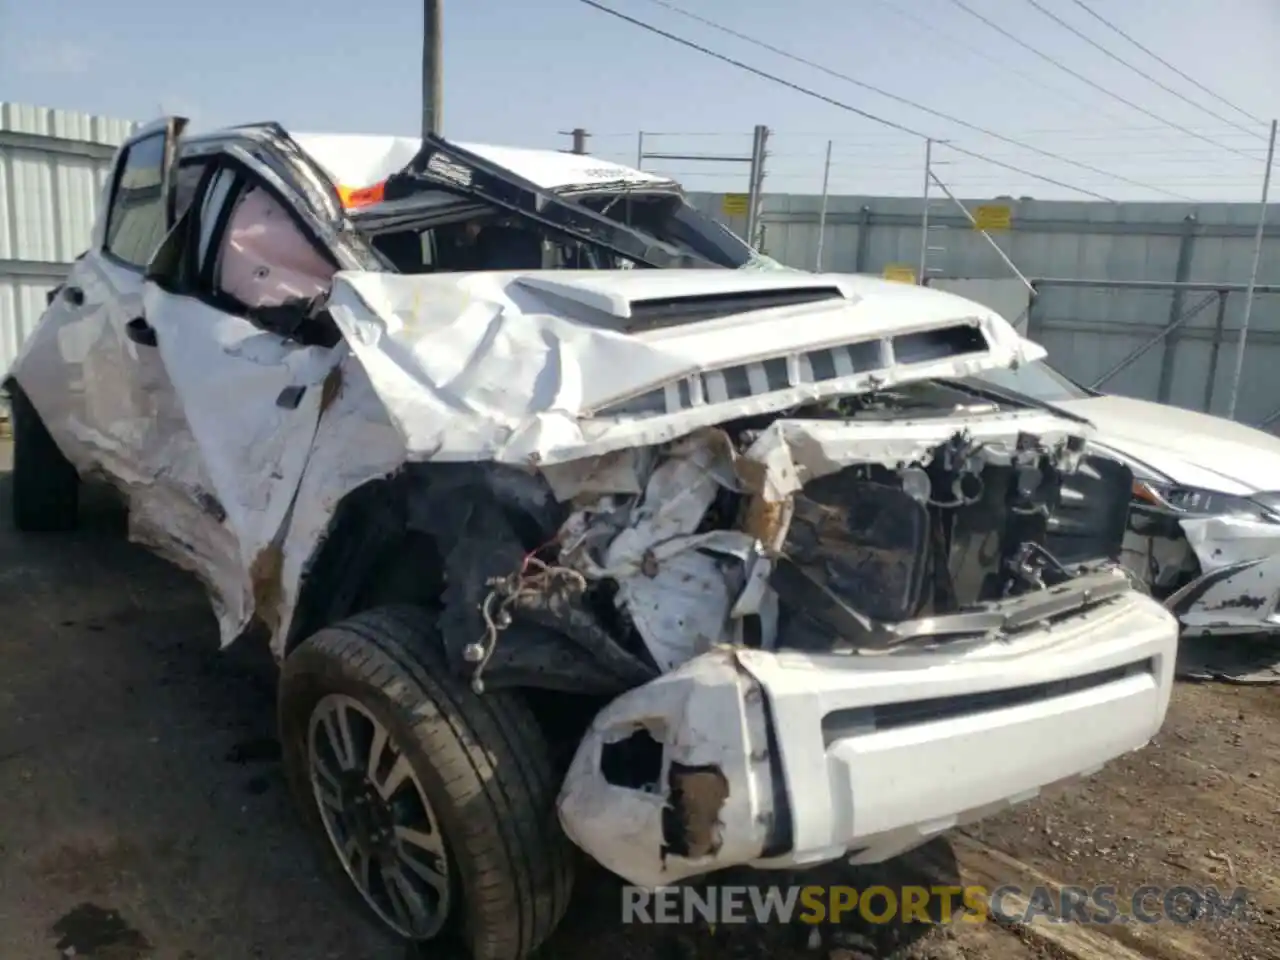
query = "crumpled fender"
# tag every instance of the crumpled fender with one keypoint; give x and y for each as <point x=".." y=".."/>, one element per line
<point x="1239" y="585"/>
<point x="673" y="778"/>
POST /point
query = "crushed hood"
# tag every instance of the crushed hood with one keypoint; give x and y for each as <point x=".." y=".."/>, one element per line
<point x="1184" y="446"/>
<point x="534" y="367"/>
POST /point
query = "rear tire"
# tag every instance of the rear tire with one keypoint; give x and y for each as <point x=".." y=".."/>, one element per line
<point x="479" y="780"/>
<point x="45" y="486"/>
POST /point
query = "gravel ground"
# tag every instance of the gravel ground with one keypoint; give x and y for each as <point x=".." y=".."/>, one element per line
<point x="143" y="814"/>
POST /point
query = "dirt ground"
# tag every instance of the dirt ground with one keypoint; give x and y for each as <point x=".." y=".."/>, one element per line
<point x="143" y="814"/>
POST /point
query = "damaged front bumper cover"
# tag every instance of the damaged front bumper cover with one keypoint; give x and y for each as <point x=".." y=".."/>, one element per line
<point x="782" y="759"/>
<point x="1239" y="586"/>
<point x="1219" y="575"/>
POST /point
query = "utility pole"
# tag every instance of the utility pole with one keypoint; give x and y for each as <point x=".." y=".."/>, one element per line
<point x="432" y="68"/>
<point x="1253" y="275"/>
<point x="579" y="139"/>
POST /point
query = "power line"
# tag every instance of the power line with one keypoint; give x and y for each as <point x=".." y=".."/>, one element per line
<point x="891" y="96"/>
<point x="1146" y="76"/>
<point x="824" y="98"/>
<point x="1083" y="79"/>
<point x="1159" y="59"/>
<point x="981" y="54"/>
<point x="1149" y="133"/>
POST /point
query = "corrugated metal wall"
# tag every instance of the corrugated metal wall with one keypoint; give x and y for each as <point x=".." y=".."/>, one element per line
<point x="1087" y="331"/>
<point x="53" y="164"/>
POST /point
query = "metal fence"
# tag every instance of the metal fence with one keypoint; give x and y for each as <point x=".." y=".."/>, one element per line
<point x="1135" y="278"/>
<point x="53" y="164"/>
<point x="1165" y="341"/>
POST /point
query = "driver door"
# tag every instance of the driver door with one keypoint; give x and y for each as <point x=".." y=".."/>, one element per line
<point x="251" y="394"/>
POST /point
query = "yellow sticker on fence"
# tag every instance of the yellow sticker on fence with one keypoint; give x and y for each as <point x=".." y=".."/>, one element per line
<point x="899" y="273"/>
<point x="735" y="204"/>
<point x="993" y="217"/>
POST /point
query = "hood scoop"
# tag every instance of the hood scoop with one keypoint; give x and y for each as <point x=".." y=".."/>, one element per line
<point x="647" y="300"/>
<point x="663" y="312"/>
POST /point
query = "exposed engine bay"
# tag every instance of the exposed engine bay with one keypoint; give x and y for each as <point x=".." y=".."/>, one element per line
<point x="863" y="524"/>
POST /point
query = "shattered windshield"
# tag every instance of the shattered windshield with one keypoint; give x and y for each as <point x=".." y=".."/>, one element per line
<point x="453" y="210"/>
<point x="669" y="219"/>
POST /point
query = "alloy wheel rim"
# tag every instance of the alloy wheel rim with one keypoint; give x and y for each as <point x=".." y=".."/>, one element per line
<point x="377" y="817"/>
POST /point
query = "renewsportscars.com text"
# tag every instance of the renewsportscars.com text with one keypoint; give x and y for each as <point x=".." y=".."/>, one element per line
<point x="1103" y="904"/>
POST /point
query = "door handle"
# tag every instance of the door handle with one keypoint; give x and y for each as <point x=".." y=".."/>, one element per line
<point x="140" y="332"/>
<point x="73" y="296"/>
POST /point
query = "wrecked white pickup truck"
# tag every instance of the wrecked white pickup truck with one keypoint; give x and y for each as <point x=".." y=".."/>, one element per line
<point x="719" y="566"/>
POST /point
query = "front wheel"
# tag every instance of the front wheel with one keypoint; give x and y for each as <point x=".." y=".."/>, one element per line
<point x="436" y="805"/>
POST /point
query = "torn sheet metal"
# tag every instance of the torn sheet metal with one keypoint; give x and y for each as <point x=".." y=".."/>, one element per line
<point x="686" y="592"/>
<point x="485" y="367"/>
<point x="793" y="452"/>
<point x="354" y="420"/>
<point x="676" y="586"/>
<point x="673" y="778"/>
<point x="481" y="367"/>
<point x="254" y="449"/>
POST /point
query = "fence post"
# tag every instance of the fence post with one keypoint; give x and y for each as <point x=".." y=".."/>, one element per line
<point x="1181" y="273"/>
<point x="1219" y="323"/>
<point x="864" y="238"/>
<point x="924" y="211"/>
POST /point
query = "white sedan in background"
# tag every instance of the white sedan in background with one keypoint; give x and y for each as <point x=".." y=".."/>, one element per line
<point x="1204" y="522"/>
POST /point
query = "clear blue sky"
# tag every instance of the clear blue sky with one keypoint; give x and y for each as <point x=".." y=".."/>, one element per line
<point x="518" y="71"/>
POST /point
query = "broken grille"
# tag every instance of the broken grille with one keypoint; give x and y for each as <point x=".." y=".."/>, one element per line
<point x="816" y="366"/>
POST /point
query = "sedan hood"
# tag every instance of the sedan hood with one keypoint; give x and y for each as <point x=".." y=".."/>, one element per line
<point x="1183" y="446"/>
<point x="551" y="366"/>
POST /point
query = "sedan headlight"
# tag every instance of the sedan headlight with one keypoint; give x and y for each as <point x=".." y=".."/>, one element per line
<point x="1198" y="502"/>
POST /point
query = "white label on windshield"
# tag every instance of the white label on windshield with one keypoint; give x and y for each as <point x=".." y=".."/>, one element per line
<point x="449" y="170"/>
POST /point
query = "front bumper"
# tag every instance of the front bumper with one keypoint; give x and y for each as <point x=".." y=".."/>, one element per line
<point x="782" y="759"/>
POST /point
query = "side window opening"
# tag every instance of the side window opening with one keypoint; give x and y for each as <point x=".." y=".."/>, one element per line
<point x="136" y="218"/>
<point x="240" y="249"/>
<point x="264" y="259"/>
<point x="186" y="180"/>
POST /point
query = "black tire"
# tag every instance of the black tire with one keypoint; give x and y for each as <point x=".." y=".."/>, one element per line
<point x="482" y="761"/>
<point x="45" y="487"/>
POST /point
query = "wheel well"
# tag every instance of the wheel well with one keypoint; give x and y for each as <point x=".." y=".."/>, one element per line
<point x="433" y="535"/>
<point x="365" y="525"/>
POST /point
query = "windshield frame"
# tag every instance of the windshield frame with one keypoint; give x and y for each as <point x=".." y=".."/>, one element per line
<point x="440" y="166"/>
